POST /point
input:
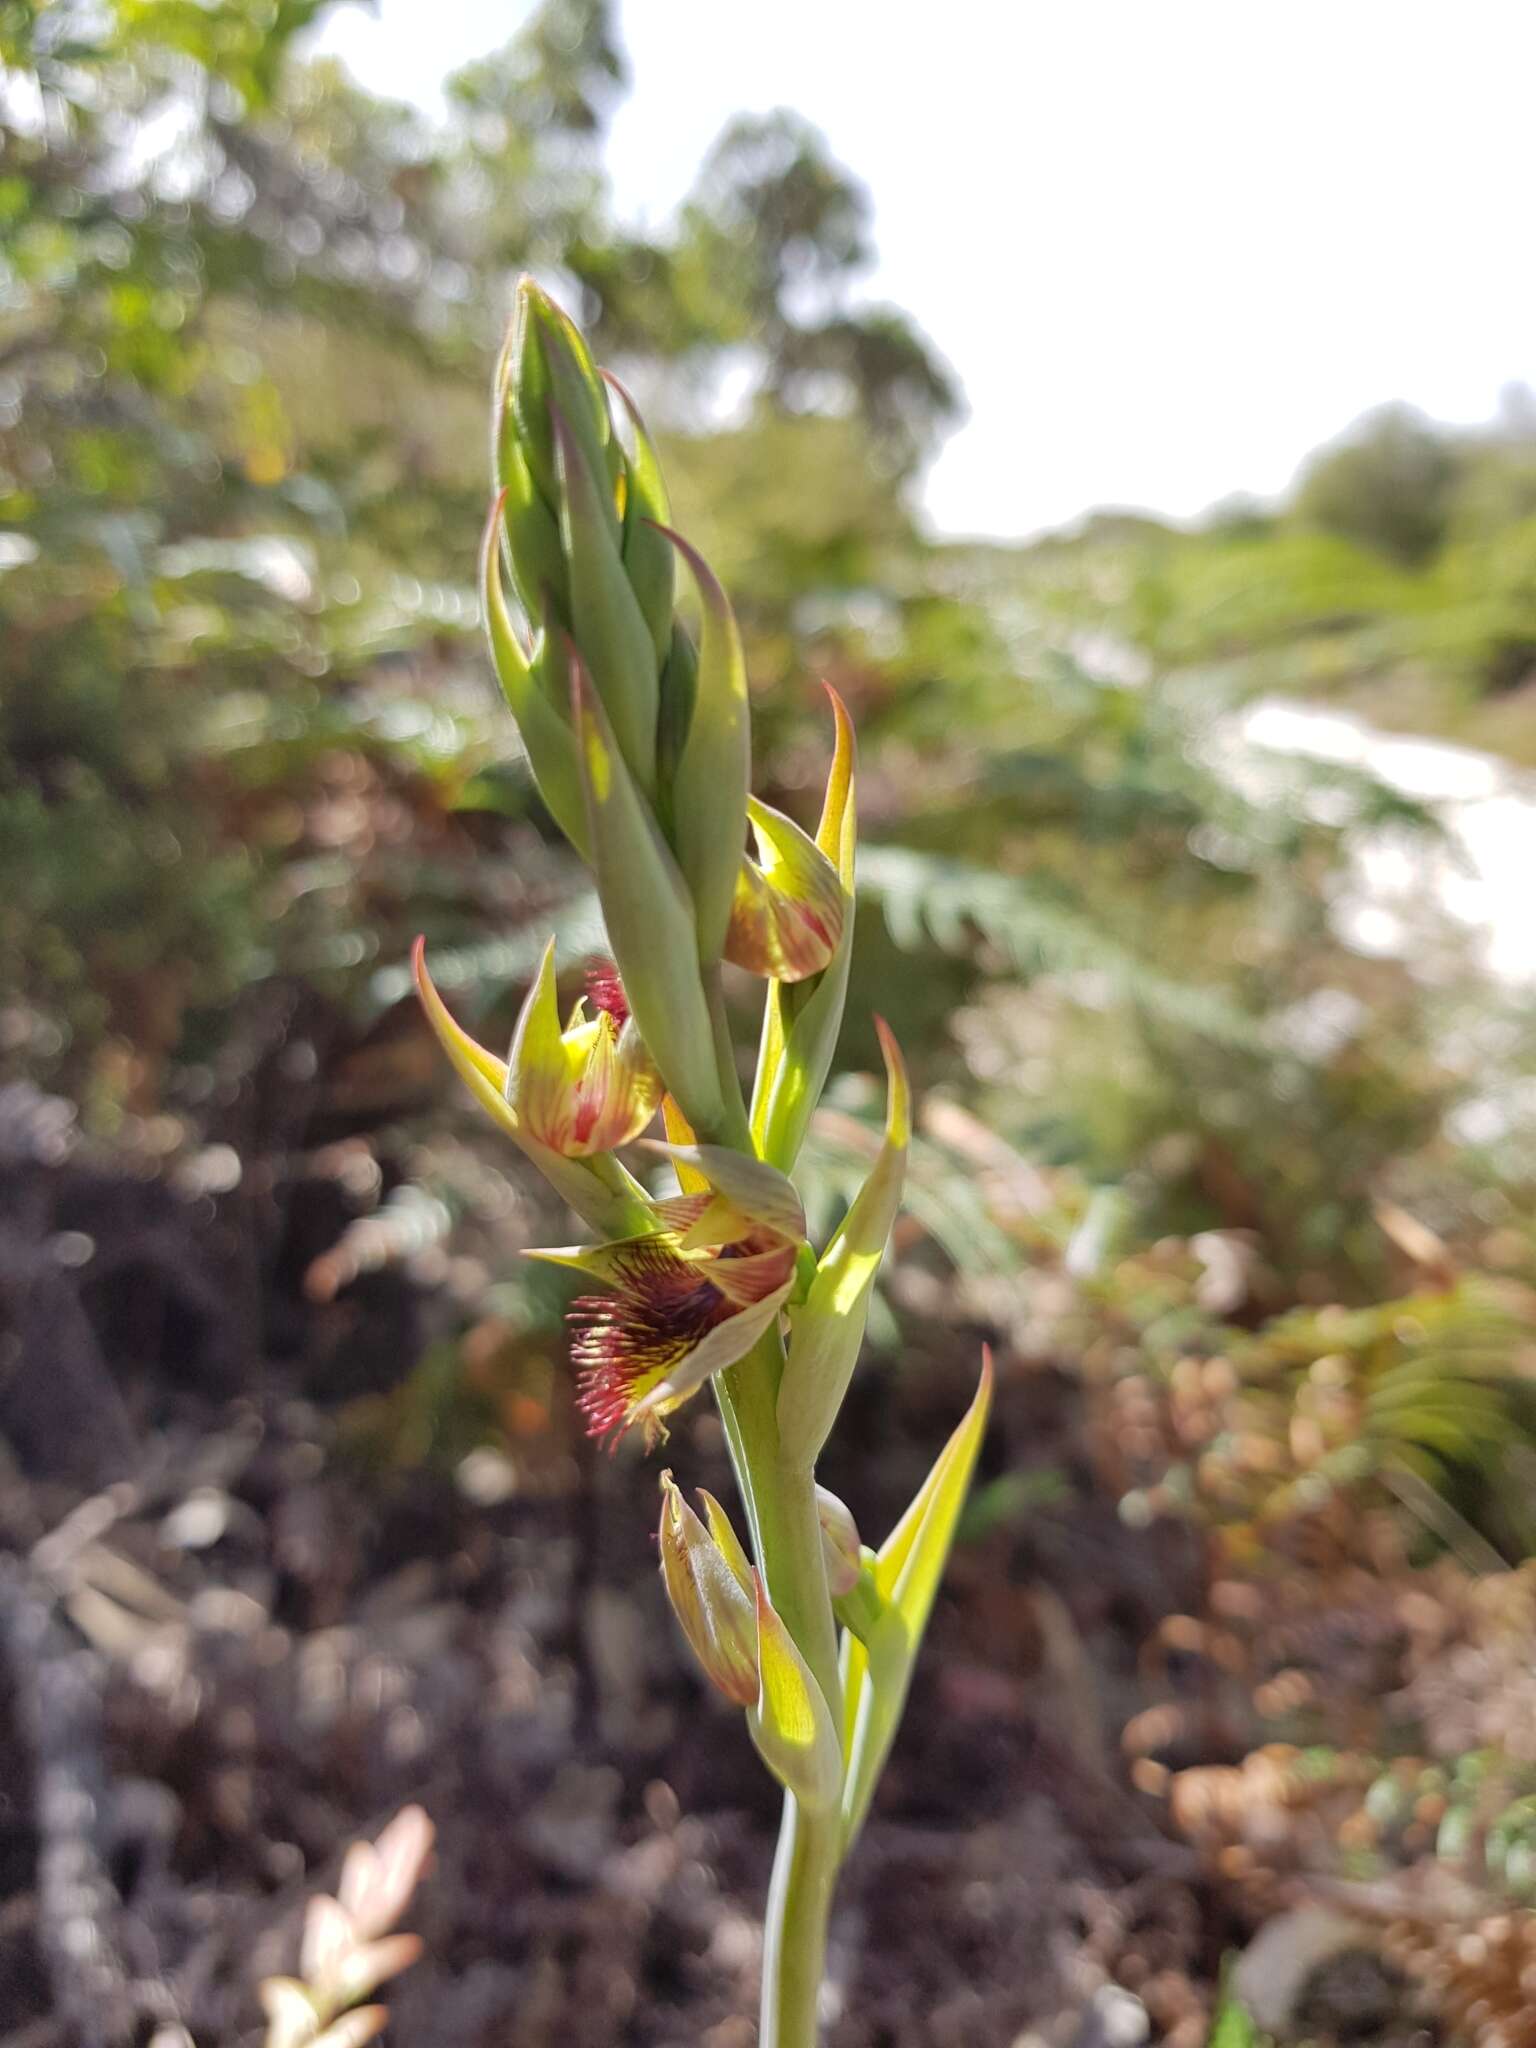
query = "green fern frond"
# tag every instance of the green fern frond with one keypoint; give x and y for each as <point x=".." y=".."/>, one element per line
<point x="930" y="901"/>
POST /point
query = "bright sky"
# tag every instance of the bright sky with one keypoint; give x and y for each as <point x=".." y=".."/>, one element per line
<point x="1168" y="247"/>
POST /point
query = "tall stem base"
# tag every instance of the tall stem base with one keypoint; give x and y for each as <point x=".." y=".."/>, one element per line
<point x="795" y="1930"/>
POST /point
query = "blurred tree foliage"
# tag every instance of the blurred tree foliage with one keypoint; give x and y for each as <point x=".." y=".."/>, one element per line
<point x="1389" y="484"/>
<point x="246" y="319"/>
<point x="246" y="734"/>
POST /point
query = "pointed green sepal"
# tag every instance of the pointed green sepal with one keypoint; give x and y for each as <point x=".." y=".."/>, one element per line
<point x="647" y="556"/>
<point x="709" y="799"/>
<point x="791" y="1722"/>
<point x="801" y="1020"/>
<point x="827" y="1330"/>
<point x="877" y="1672"/>
<point x="726" y="1539"/>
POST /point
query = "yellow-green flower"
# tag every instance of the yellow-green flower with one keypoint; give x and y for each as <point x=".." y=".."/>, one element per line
<point x="577" y="1092"/>
<point x="787" y="914"/>
<point x="590" y="1087"/>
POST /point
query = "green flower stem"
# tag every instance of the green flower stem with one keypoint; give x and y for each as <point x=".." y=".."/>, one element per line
<point x="810" y="1847"/>
<point x="795" y="1930"/>
<point x="787" y="1539"/>
<point x="736" y="1129"/>
<point x="780" y="1502"/>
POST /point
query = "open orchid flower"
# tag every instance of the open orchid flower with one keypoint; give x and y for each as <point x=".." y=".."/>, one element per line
<point x="590" y="1087"/>
<point x="577" y="1092"/>
<point x="686" y="1300"/>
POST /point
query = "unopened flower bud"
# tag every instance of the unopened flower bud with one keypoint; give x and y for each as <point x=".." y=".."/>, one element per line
<point x="787" y="913"/>
<point x="717" y="1613"/>
<point x="791" y="1722"/>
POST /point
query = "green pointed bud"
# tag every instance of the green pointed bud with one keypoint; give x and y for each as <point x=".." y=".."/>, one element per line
<point x="840" y="1548"/>
<point x="791" y="1722"/>
<point x="801" y="1020"/>
<point x="827" y="1330"/>
<point x="877" y="1670"/>
<point x="606" y="621"/>
<point x="709" y="794"/>
<point x="545" y="366"/>
<point x="543" y="727"/>
<point x="649" y="916"/>
<point x="534" y="548"/>
<point x="715" y="1609"/>
<point x="647" y="556"/>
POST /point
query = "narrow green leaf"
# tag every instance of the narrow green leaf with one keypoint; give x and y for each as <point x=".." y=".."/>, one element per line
<point x="908" y="1567"/>
<point x="827" y="1331"/>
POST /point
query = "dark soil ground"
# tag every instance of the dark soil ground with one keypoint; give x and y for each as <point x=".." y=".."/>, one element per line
<point x="230" y="1643"/>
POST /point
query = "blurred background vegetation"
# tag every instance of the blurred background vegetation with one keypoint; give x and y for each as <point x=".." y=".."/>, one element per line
<point x="1230" y="1118"/>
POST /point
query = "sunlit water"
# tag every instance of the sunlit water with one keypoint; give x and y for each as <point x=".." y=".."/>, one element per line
<point x="1483" y="877"/>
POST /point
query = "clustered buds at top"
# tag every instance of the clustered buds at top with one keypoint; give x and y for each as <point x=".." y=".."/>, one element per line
<point x="639" y="741"/>
<point x="691" y="1296"/>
